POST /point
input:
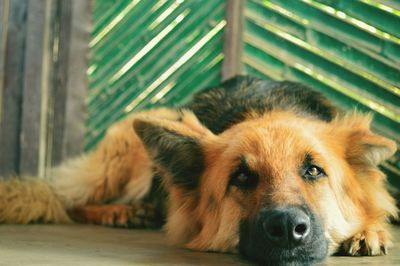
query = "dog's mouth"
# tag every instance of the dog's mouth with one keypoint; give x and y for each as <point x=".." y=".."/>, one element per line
<point x="283" y="236"/>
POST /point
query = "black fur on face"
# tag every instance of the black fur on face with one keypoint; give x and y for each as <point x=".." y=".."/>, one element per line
<point x="181" y="156"/>
<point x="254" y="243"/>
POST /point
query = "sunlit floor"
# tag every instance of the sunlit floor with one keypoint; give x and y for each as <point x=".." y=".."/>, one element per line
<point x="94" y="245"/>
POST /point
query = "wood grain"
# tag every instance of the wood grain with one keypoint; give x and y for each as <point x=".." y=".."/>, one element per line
<point x="100" y="246"/>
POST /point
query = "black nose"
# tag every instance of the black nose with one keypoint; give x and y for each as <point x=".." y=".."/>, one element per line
<point x="286" y="226"/>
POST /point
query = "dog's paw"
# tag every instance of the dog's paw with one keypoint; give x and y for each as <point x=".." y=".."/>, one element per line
<point x="144" y="216"/>
<point x="117" y="215"/>
<point x="370" y="242"/>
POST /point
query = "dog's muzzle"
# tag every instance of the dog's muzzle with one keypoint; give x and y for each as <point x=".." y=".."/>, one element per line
<point x="282" y="236"/>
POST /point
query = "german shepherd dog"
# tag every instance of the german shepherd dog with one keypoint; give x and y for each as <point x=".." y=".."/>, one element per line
<point x="271" y="170"/>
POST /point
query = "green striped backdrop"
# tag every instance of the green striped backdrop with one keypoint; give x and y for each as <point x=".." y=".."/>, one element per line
<point x="146" y="53"/>
<point x="347" y="49"/>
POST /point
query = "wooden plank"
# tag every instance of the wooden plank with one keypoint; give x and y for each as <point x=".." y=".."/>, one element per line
<point x="233" y="39"/>
<point x="35" y="88"/>
<point x="3" y="39"/>
<point x="12" y="86"/>
<point x="56" y="135"/>
<point x="77" y="78"/>
<point x="69" y="98"/>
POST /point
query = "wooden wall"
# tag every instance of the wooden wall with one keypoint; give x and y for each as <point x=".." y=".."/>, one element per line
<point x="43" y="62"/>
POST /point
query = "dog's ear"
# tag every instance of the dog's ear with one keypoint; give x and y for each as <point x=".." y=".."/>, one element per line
<point x="364" y="146"/>
<point x="367" y="147"/>
<point x="175" y="148"/>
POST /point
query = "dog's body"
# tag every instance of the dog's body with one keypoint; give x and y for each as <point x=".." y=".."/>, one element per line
<point x="271" y="169"/>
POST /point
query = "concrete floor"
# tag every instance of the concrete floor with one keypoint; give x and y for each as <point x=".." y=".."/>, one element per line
<point x="95" y="245"/>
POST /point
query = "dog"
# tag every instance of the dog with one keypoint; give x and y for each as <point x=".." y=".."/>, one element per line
<point x="272" y="170"/>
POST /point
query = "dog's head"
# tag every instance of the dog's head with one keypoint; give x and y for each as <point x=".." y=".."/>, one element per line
<point x="278" y="188"/>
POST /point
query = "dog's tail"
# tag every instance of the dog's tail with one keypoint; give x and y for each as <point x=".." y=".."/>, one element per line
<point x="26" y="200"/>
<point x="30" y="200"/>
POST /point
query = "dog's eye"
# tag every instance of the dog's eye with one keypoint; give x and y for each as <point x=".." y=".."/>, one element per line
<point x="243" y="177"/>
<point x="243" y="180"/>
<point x="313" y="172"/>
